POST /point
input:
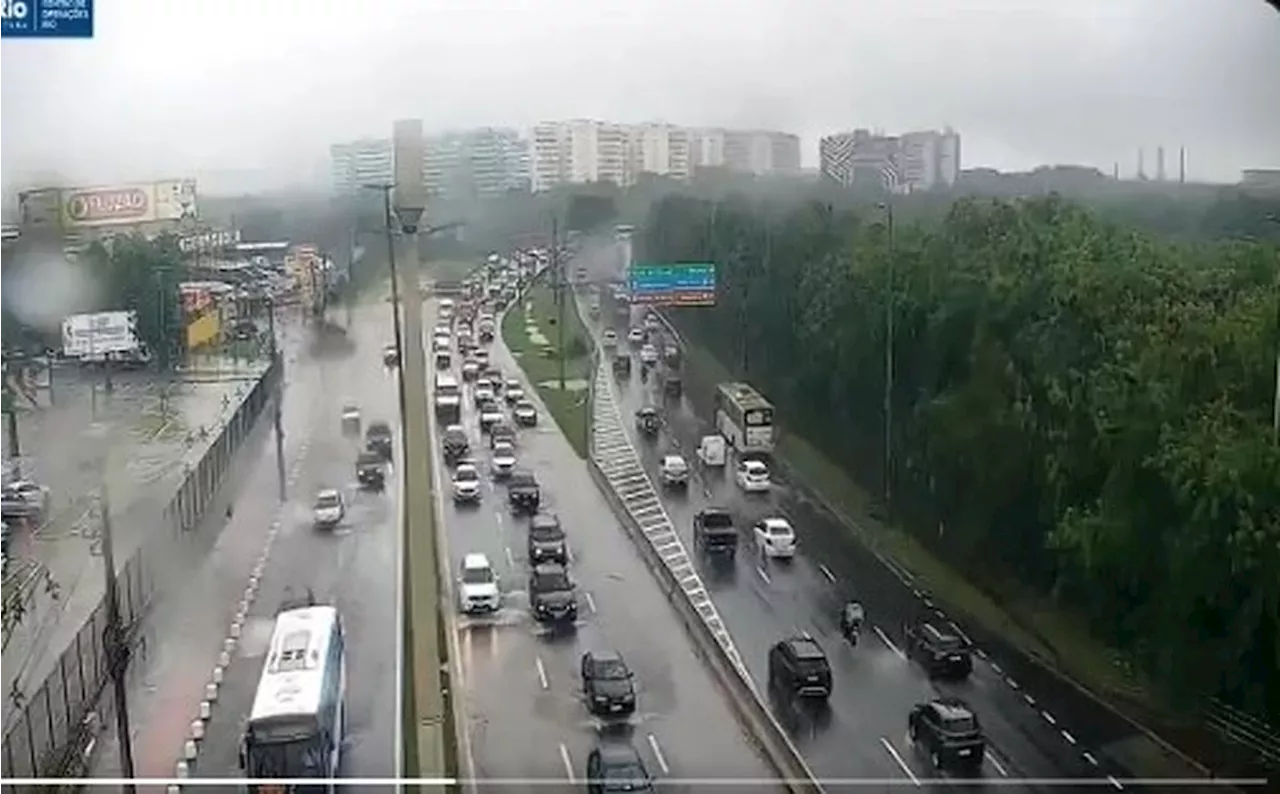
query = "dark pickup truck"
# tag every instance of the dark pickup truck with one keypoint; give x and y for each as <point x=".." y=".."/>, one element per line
<point x="949" y="731"/>
<point x="523" y="493"/>
<point x="713" y="531"/>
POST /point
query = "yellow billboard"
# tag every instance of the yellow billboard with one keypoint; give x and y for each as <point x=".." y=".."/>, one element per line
<point x="204" y="330"/>
<point x="142" y="202"/>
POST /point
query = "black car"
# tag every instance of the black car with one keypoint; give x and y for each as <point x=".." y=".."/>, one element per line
<point x="672" y="386"/>
<point x="949" y="731"/>
<point x="622" y="364"/>
<point x="799" y="666"/>
<point x="616" y="767"/>
<point x="940" y="652"/>
<point x="390" y="356"/>
<point x="456" y="445"/>
<point x="370" y="472"/>
<point x="523" y="493"/>
<point x="552" y="595"/>
<point x="714" y="532"/>
<point x="547" y="542"/>
<point x="647" y="421"/>
<point x="378" y="439"/>
<point x="607" y="683"/>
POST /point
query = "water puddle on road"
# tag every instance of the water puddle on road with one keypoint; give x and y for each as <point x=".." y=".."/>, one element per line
<point x="255" y="637"/>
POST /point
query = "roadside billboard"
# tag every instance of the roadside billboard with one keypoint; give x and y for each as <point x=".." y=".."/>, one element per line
<point x="204" y="330"/>
<point x="115" y="205"/>
<point x="208" y="241"/>
<point x="95" y="336"/>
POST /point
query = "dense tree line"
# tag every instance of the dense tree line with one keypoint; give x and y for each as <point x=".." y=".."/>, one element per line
<point x="1075" y="405"/>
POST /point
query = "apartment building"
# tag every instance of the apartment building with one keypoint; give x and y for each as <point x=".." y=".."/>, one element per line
<point x="757" y="152"/>
<point x="363" y="162"/>
<point x="909" y="162"/>
<point x="477" y="163"/>
<point x="578" y="151"/>
<point x="657" y="148"/>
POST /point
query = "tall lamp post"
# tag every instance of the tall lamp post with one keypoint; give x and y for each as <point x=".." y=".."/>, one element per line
<point x="887" y="206"/>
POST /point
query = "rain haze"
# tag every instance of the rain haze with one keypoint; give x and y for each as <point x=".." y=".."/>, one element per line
<point x="248" y="94"/>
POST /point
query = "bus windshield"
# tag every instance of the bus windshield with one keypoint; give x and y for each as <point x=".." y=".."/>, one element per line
<point x="758" y="417"/>
<point x="296" y="758"/>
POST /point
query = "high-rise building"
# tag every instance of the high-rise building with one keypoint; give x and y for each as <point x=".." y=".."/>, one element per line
<point x="656" y="148"/>
<point x="579" y="151"/>
<point x="475" y="163"/>
<point x="363" y="162"/>
<point x="912" y="161"/>
<point x="761" y="152"/>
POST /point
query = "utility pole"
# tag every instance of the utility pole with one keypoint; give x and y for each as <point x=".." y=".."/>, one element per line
<point x="11" y="421"/>
<point x="115" y="642"/>
<point x="395" y="291"/>
<point x="557" y="274"/>
<point x="277" y="410"/>
<point x="888" y="362"/>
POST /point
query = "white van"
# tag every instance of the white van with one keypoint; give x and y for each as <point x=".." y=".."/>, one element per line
<point x="711" y="451"/>
<point x="478" y="585"/>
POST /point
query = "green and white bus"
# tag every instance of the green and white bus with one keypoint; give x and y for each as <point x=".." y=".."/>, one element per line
<point x="295" y="729"/>
<point x="745" y="419"/>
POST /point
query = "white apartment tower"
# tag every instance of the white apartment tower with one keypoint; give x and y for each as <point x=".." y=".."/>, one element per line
<point x="578" y="151"/>
<point x="364" y="162"/>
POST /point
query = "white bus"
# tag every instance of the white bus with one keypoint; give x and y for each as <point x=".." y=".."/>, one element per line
<point x="296" y="727"/>
<point x="448" y="397"/>
<point x="745" y="419"/>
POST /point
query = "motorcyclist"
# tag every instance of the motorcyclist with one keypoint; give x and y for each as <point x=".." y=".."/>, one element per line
<point x="851" y="618"/>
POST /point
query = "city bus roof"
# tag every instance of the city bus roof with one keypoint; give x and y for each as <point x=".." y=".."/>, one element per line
<point x="744" y="395"/>
<point x="293" y="673"/>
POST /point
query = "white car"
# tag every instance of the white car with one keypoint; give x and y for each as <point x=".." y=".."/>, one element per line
<point x="651" y="322"/>
<point x="443" y="329"/>
<point x="504" y="458"/>
<point x="753" y="476"/>
<point x="649" y="355"/>
<point x="775" y="537"/>
<point x="513" y="391"/>
<point x="440" y="344"/>
<point x="490" y="414"/>
<point x="675" y="471"/>
<point x="350" y="417"/>
<point x="482" y="356"/>
<point x="478" y="585"/>
<point x="329" y="508"/>
<point x="525" y="413"/>
<point x="25" y="499"/>
<point x="610" y="339"/>
<point x="466" y="483"/>
<point x="470" y="370"/>
<point x="484" y="392"/>
<point x="636" y="336"/>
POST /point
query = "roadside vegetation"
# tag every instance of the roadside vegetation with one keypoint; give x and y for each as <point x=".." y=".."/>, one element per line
<point x="530" y="331"/>
<point x="1083" y="458"/>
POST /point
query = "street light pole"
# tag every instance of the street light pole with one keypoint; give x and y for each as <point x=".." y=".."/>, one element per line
<point x="115" y="642"/>
<point x="395" y="290"/>
<point x="558" y="281"/>
<point x="888" y="362"/>
<point x="278" y="408"/>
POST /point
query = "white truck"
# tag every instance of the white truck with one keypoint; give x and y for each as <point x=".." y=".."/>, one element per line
<point x="712" y="451"/>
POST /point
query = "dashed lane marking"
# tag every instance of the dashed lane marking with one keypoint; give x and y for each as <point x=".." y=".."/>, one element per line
<point x="831" y="577"/>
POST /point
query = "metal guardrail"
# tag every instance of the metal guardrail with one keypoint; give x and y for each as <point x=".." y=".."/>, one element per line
<point x="1246" y="731"/>
<point x="615" y="466"/>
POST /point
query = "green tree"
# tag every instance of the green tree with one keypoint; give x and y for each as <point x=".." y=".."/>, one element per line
<point x="141" y="275"/>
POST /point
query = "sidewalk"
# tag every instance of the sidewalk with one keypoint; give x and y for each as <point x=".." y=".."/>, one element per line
<point x="154" y="430"/>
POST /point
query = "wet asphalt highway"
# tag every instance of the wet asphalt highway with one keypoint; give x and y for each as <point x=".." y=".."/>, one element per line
<point x="352" y="567"/>
<point x="524" y="715"/>
<point x="863" y="732"/>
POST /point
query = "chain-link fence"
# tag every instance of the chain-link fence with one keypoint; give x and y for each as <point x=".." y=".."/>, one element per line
<point x="48" y="738"/>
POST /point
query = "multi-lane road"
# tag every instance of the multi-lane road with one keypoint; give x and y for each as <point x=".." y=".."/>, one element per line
<point x="352" y="567"/>
<point x="525" y="719"/>
<point x="862" y="734"/>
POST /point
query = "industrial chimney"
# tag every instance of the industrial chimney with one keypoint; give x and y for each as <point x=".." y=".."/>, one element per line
<point x="1160" y="164"/>
<point x="1182" y="165"/>
<point x="1142" y="170"/>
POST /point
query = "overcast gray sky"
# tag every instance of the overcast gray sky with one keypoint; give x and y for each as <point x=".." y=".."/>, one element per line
<point x="253" y="91"/>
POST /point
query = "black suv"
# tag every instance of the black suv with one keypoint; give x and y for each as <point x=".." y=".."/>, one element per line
<point x="607" y="683"/>
<point x="378" y="439"/>
<point x="523" y="493"/>
<point x="456" y="444"/>
<point x="713" y="531"/>
<point x="949" y="731"/>
<point x="552" y="595"/>
<point x="546" y="540"/>
<point x="799" y="666"/>
<point x="940" y="652"/>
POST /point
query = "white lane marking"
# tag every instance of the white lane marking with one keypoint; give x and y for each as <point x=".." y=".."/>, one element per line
<point x="1012" y="684"/>
<point x="763" y="575"/>
<point x="568" y="762"/>
<point x="1030" y="700"/>
<point x="591" y="602"/>
<point x="542" y="672"/>
<point x="511" y="560"/>
<point x="831" y="577"/>
<point x="1088" y="756"/>
<point x="1111" y="779"/>
<point x="1048" y="718"/>
<point x="999" y="767"/>
<point x="901" y="763"/>
<point x="497" y="516"/>
<point x="885" y="639"/>
<point x="1070" y="739"/>
<point x="657" y="753"/>
<point x="996" y="667"/>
